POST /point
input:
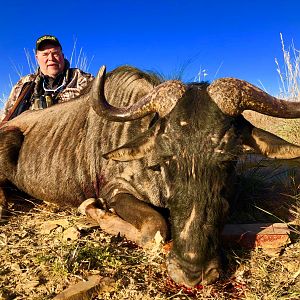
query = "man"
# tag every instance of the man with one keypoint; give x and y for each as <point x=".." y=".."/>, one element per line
<point x="53" y="82"/>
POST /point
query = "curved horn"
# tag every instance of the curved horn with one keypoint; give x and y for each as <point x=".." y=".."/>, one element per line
<point x="233" y="96"/>
<point x="161" y="99"/>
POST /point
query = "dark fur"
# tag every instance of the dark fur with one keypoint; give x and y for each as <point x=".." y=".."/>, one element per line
<point x="11" y="141"/>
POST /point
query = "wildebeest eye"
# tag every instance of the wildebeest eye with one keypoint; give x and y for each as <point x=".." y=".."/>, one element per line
<point x="155" y="168"/>
<point x="155" y="118"/>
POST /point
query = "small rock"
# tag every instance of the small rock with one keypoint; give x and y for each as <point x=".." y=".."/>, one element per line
<point x="82" y="207"/>
<point x="31" y="284"/>
<point x="62" y="222"/>
<point x="87" y="289"/>
<point x="71" y="234"/>
<point x="48" y="226"/>
<point x="85" y="224"/>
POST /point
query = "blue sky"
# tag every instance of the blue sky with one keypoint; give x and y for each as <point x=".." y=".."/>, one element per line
<point x="226" y="38"/>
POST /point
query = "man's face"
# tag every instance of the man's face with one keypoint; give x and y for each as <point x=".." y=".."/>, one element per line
<point x="50" y="59"/>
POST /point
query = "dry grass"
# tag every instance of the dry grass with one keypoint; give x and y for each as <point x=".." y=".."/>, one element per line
<point x="39" y="260"/>
<point x="79" y="59"/>
<point x="289" y="73"/>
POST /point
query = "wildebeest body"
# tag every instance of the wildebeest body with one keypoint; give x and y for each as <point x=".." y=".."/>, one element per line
<point x="56" y="167"/>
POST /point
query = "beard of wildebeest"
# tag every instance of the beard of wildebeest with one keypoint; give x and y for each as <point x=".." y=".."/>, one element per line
<point x="199" y="173"/>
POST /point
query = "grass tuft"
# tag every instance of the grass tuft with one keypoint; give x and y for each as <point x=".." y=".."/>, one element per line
<point x="79" y="59"/>
<point x="290" y="73"/>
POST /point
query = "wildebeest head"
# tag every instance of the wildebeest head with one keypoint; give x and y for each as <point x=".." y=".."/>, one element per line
<point x="194" y="144"/>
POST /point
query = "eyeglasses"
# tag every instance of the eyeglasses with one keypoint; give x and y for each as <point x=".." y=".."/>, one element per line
<point x="56" y="54"/>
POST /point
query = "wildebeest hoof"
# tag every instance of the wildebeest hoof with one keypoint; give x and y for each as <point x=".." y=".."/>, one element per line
<point x="153" y="231"/>
<point x="90" y="204"/>
<point x="148" y="242"/>
<point x="82" y="207"/>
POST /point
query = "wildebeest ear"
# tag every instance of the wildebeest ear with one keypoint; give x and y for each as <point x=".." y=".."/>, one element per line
<point x="137" y="148"/>
<point x="271" y="145"/>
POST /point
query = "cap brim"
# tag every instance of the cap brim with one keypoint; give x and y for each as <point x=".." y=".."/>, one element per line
<point x="44" y="42"/>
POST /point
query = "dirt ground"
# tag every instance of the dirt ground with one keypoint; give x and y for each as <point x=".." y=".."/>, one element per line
<point x="45" y="249"/>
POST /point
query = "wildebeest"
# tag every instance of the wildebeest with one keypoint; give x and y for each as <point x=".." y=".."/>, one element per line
<point x="151" y="145"/>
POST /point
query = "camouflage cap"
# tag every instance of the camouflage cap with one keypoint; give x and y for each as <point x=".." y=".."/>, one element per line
<point x="47" y="38"/>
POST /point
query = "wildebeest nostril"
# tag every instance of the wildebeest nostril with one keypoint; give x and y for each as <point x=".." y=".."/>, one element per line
<point x="188" y="277"/>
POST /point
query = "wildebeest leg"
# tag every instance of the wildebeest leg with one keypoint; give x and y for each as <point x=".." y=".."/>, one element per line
<point x="3" y="203"/>
<point x="271" y="145"/>
<point x="135" y="220"/>
<point x="109" y="222"/>
<point x="11" y="139"/>
<point x="141" y="215"/>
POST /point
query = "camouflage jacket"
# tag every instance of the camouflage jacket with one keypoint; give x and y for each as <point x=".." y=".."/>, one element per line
<point x="78" y="81"/>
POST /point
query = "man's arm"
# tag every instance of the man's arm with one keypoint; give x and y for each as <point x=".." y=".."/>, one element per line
<point x="15" y="92"/>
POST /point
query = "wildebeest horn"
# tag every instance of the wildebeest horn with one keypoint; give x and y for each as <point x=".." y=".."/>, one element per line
<point x="233" y="96"/>
<point x="161" y="100"/>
